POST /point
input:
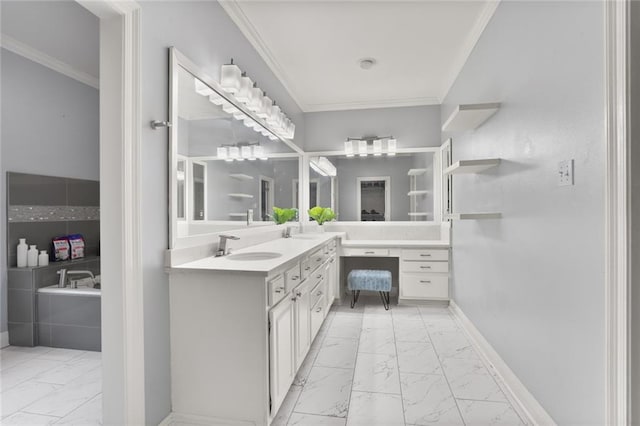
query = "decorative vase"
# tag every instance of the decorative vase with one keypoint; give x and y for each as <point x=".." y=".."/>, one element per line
<point x="22" y="253"/>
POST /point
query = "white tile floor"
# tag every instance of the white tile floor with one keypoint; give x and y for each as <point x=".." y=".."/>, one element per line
<point x="407" y="366"/>
<point x="42" y="386"/>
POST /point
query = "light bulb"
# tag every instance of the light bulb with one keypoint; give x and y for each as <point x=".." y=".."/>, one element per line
<point x="244" y="93"/>
<point x="348" y="148"/>
<point x="230" y="76"/>
<point x="222" y="152"/>
<point x="391" y="147"/>
<point x="377" y="148"/>
<point x="203" y="89"/>
<point x="362" y="148"/>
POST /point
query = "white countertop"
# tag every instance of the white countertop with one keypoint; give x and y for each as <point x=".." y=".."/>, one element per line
<point x="395" y="243"/>
<point x="289" y="248"/>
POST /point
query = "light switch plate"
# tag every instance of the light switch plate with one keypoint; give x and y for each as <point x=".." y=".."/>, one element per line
<point x="565" y="173"/>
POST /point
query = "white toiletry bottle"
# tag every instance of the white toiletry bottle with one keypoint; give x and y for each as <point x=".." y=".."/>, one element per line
<point x="32" y="256"/>
<point x="22" y="253"/>
<point x="43" y="258"/>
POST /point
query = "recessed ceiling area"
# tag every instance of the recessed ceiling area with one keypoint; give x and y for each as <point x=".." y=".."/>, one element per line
<point x="316" y="48"/>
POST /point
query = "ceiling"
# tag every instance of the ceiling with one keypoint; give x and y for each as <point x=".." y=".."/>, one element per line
<point x="314" y="47"/>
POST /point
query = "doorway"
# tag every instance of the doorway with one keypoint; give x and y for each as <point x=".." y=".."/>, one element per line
<point x="266" y="198"/>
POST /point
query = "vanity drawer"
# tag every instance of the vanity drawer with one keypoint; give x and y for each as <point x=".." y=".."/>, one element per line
<point x="416" y="266"/>
<point x="277" y="289"/>
<point x="292" y="277"/>
<point x="306" y="268"/>
<point x="425" y="254"/>
<point x="376" y="252"/>
<point x="317" y="292"/>
<point x="424" y="286"/>
<point x="318" y="312"/>
<point x="317" y="258"/>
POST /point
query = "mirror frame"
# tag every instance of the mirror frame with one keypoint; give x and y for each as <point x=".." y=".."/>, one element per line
<point x="437" y="179"/>
<point x="176" y="61"/>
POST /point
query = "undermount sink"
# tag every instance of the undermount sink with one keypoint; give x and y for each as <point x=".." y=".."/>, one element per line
<point x="256" y="255"/>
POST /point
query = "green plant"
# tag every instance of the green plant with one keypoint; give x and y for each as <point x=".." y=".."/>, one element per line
<point x="281" y="216"/>
<point x="322" y="214"/>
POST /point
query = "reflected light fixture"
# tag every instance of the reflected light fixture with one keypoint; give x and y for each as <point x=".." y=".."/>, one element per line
<point x="264" y="111"/>
<point x="245" y="152"/>
<point x="362" y="148"/>
<point x="323" y="166"/>
<point x="348" y="148"/>
<point x="244" y="93"/>
<point x="222" y="153"/>
<point x="258" y="152"/>
<point x="203" y="89"/>
<point x="377" y="148"/>
<point x="391" y="147"/>
<point x="216" y="99"/>
<point x="230" y="76"/>
<point x="234" y="152"/>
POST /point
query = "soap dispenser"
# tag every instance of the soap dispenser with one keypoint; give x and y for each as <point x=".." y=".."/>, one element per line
<point x="32" y="256"/>
<point x="22" y="253"/>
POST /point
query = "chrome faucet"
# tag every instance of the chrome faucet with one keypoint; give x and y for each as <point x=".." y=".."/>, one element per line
<point x="64" y="275"/>
<point x="222" y="244"/>
<point x="287" y="231"/>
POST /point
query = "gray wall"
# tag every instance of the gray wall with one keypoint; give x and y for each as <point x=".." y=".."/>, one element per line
<point x="204" y="33"/>
<point x="533" y="281"/>
<point x="411" y="126"/>
<point x="50" y="126"/>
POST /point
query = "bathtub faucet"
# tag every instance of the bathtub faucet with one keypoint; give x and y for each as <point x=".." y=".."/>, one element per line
<point x="64" y="274"/>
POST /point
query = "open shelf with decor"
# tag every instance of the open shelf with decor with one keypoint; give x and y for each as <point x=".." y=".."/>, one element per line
<point x="471" y="166"/>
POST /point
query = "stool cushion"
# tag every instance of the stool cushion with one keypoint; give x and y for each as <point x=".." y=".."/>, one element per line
<point x="369" y="279"/>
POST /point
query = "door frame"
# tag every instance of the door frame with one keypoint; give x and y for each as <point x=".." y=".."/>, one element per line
<point x="387" y="195"/>
<point x="123" y="385"/>
<point x="617" y="216"/>
<point x="272" y="198"/>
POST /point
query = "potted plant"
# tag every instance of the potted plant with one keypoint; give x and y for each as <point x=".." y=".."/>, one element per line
<point x="281" y="216"/>
<point x="322" y="215"/>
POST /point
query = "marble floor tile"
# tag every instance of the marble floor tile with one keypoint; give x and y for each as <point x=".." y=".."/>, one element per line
<point x="377" y="321"/>
<point x="485" y="413"/>
<point x="24" y="394"/>
<point x="376" y="373"/>
<point x="69" y="371"/>
<point x="378" y="309"/>
<point x="347" y="309"/>
<point x="375" y="409"/>
<point x="428" y="400"/>
<point x="10" y="357"/>
<point x="88" y="414"/>
<point x="469" y="379"/>
<point x="20" y="418"/>
<point x="410" y="331"/>
<point x="338" y="353"/>
<point x="442" y="325"/>
<point x="69" y="397"/>
<point x="434" y="311"/>
<point x="326" y="392"/>
<point x="407" y="312"/>
<point x="64" y="355"/>
<point x="345" y="326"/>
<point x="417" y="357"/>
<point x="307" y="364"/>
<point x="298" y="419"/>
<point x="452" y="345"/>
<point x="24" y="371"/>
<point x="286" y="408"/>
<point x="377" y="341"/>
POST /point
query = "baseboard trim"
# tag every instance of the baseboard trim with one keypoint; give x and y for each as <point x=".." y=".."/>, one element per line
<point x="178" y="419"/>
<point x="4" y="339"/>
<point x="516" y="392"/>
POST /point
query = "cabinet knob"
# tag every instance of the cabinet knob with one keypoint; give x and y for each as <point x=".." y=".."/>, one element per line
<point x="295" y="277"/>
<point x="319" y="277"/>
<point x="295" y="299"/>
<point x="307" y="268"/>
<point x="319" y="309"/>
<point x="425" y="281"/>
<point x="425" y="255"/>
<point x="369" y="252"/>
<point x="425" y="267"/>
<point x="298" y="294"/>
<point x="319" y="293"/>
<point x="279" y="289"/>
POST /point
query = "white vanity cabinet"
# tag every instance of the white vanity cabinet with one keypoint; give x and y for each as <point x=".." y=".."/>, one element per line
<point x="424" y="274"/>
<point x="238" y="336"/>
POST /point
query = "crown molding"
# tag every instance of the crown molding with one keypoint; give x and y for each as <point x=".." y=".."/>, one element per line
<point x="381" y="103"/>
<point x="470" y="43"/>
<point x="35" y="55"/>
<point x="237" y="15"/>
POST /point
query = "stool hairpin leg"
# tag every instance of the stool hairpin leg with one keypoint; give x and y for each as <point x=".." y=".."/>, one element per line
<point x="384" y="295"/>
<point x="355" y="294"/>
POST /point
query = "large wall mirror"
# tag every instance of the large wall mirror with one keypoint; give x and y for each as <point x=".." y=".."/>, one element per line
<point x="228" y="170"/>
<point x="402" y="187"/>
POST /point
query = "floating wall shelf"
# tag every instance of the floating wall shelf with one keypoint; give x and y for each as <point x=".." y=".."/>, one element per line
<point x="238" y="214"/>
<point x="470" y="216"/>
<point x="418" y="214"/>
<point x="416" y="172"/>
<point x="469" y="116"/>
<point x="241" y="176"/>
<point x="418" y="192"/>
<point x="471" y="166"/>
<point x="241" y="195"/>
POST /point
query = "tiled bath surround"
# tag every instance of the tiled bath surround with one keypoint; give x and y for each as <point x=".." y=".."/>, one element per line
<point x="40" y="208"/>
<point x="43" y="207"/>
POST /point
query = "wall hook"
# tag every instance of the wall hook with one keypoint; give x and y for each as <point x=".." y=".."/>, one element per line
<point x="155" y="124"/>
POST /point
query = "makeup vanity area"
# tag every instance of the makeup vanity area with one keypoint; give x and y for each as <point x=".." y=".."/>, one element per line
<point x="248" y="297"/>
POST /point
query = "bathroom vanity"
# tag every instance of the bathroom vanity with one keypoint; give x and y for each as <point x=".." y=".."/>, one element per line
<point x="242" y="324"/>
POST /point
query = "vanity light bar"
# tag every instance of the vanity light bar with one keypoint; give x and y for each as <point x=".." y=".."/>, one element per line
<point x="362" y="148"/>
<point x="348" y="148"/>
<point x="323" y="166"/>
<point x="391" y="147"/>
<point x="377" y="148"/>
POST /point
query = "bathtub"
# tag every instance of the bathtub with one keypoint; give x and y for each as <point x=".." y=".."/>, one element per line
<point x="69" y="317"/>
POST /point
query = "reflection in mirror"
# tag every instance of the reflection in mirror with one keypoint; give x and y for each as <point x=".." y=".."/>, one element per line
<point x="389" y="188"/>
<point x="230" y="170"/>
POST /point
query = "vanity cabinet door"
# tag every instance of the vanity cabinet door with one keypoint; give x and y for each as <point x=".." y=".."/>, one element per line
<point x="281" y="351"/>
<point x="302" y="320"/>
<point x="332" y="279"/>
